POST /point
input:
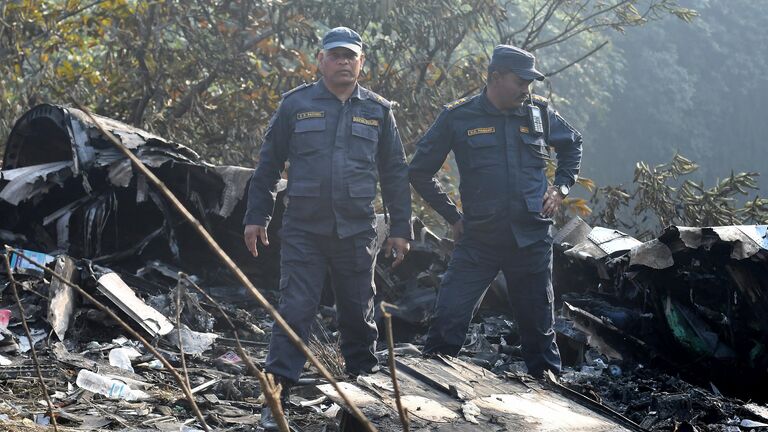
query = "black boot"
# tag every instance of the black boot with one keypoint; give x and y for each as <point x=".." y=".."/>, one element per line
<point x="268" y="421"/>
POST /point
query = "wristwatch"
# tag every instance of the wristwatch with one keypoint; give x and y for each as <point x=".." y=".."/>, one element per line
<point x="563" y="189"/>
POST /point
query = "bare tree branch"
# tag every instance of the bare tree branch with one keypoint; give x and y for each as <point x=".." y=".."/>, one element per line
<point x="578" y="60"/>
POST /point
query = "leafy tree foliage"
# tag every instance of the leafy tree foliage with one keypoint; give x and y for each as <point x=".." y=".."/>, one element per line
<point x="664" y="195"/>
<point x="208" y="73"/>
<point x="205" y="73"/>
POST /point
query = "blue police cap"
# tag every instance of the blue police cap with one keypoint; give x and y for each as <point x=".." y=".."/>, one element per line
<point x="517" y="60"/>
<point x="343" y="37"/>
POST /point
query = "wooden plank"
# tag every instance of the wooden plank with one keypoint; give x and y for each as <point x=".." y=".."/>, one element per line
<point x="436" y="391"/>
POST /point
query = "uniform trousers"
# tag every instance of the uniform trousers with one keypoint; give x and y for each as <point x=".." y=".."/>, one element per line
<point x="305" y="260"/>
<point x="475" y="263"/>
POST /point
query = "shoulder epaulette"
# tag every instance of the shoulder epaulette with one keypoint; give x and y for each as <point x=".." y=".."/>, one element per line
<point x="541" y="100"/>
<point x="379" y="99"/>
<point x="457" y="103"/>
<point x="294" y="90"/>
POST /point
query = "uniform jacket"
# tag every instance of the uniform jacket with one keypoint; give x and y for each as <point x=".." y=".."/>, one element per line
<point x="337" y="154"/>
<point x="501" y="164"/>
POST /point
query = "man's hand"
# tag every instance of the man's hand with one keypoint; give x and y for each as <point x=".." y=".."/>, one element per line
<point x="458" y="230"/>
<point x="254" y="233"/>
<point x="552" y="201"/>
<point x="400" y="246"/>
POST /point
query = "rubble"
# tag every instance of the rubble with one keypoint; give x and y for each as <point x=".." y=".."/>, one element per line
<point x="690" y="302"/>
<point x="103" y="211"/>
<point x="633" y="314"/>
<point x="703" y="304"/>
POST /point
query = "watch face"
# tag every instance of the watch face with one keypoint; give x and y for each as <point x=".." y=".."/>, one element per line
<point x="564" y="190"/>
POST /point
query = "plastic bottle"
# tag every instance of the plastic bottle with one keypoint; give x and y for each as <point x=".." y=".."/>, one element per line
<point x="108" y="387"/>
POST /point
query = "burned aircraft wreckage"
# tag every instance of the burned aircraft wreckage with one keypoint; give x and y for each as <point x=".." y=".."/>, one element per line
<point x="658" y="335"/>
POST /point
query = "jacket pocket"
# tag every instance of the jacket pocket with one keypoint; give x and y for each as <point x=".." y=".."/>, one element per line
<point x="483" y="151"/>
<point x="303" y="188"/>
<point x="308" y="135"/>
<point x="482" y="215"/>
<point x="362" y="190"/>
<point x="535" y="152"/>
<point x="364" y="142"/>
<point x="303" y="199"/>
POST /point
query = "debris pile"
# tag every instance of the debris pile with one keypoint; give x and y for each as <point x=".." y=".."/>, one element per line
<point x="690" y="303"/>
<point x="67" y="189"/>
<point x="661" y="402"/>
<point x="132" y="302"/>
<point x="84" y="353"/>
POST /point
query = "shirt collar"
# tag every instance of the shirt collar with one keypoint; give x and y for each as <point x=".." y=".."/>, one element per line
<point x="358" y="93"/>
<point x="491" y="109"/>
<point x="323" y="92"/>
<point x="486" y="103"/>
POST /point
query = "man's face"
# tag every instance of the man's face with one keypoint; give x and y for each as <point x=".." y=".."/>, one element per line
<point x="340" y="66"/>
<point x="512" y="89"/>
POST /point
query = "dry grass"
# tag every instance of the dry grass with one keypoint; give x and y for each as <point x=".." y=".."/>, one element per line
<point x="327" y="351"/>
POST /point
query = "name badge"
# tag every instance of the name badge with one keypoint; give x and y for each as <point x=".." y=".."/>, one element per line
<point x="365" y="121"/>
<point x="310" y="114"/>
<point x="478" y="131"/>
<point x="524" y="129"/>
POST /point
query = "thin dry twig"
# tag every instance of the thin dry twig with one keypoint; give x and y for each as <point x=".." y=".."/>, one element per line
<point x="128" y="329"/>
<point x="402" y="412"/>
<point x="31" y="342"/>
<point x="267" y="385"/>
<point x="578" y="60"/>
<point x="178" y="335"/>
<point x="216" y="249"/>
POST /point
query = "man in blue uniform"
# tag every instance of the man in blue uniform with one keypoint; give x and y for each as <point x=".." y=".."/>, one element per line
<point x="340" y="140"/>
<point x="500" y="139"/>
